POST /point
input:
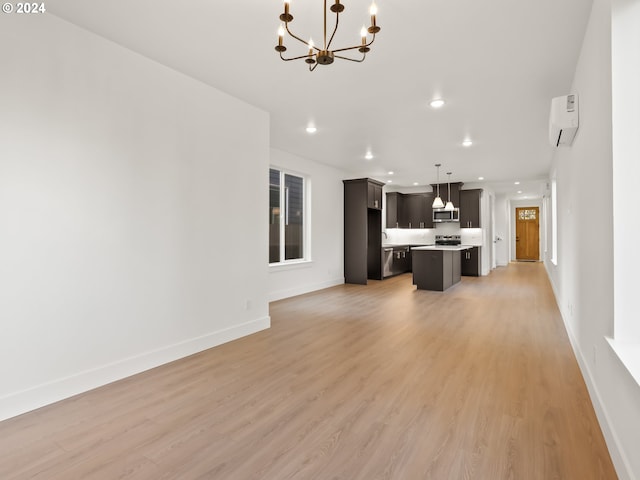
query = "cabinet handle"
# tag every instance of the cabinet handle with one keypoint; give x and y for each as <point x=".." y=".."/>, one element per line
<point x="409" y="224"/>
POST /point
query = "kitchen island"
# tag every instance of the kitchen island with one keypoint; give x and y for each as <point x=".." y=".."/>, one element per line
<point x="436" y="267"/>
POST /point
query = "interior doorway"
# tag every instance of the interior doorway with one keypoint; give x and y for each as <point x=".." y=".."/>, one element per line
<point x="528" y="233"/>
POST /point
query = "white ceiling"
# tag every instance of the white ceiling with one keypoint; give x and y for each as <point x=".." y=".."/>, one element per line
<point x="497" y="63"/>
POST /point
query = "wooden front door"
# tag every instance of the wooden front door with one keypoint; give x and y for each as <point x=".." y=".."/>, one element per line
<point x="528" y="233"/>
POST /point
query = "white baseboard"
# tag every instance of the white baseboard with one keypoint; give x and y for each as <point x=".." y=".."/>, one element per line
<point x="302" y="289"/>
<point x="41" y="395"/>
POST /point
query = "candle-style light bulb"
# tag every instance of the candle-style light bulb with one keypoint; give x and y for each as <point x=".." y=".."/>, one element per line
<point x="286" y="17"/>
<point x="280" y="35"/>
<point x="363" y="34"/>
<point x="373" y="11"/>
<point x="310" y="46"/>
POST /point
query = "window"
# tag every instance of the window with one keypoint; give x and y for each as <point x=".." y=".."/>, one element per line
<point x="527" y="214"/>
<point x="625" y="124"/>
<point x="286" y="217"/>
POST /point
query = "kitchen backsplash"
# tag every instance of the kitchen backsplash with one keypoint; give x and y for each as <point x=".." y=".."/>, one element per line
<point x="427" y="236"/>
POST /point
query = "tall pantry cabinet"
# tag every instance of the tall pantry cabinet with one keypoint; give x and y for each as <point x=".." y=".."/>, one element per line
<point x="362" y="230"/>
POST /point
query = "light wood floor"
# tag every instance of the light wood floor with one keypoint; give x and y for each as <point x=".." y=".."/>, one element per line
<point x="352" y="382"/>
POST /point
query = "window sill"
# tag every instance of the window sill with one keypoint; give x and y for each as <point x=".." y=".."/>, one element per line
<point x="291" y="265"/>
<point x="629" y="355"/>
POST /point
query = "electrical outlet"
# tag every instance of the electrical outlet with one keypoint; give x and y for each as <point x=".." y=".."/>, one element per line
<point x="247" y="304"/>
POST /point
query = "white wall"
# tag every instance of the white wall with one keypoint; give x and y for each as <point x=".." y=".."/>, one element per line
<point x="132" y="213"/>
<point x="583" y="277"/>
<point x="487" y="221"/>
<point x="326" y="200"/>
<point x="502" y="233"/>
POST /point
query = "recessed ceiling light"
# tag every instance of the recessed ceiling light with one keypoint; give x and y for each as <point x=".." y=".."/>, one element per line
<point x="415" y="184"/>
<point x="437" y="103"/>
<point x="516" y="183"/>
<point x="389" y="181"/>
<point x="480" y="178"/>
<point x="519" y="191"/>
<point x="467" y="143"/>
<point x="369" y="156"/>
<point x="390" y="172"/>
<point x="311" y="129"/>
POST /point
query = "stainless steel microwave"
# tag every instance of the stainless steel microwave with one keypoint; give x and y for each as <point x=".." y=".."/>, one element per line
<point x="442" y="215"/>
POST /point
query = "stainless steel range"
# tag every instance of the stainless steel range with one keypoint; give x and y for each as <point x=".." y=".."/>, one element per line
<point x="448" y="240"/>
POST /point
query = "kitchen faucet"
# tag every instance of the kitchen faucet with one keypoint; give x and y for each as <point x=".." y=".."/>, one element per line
<point x="385" y="235"/>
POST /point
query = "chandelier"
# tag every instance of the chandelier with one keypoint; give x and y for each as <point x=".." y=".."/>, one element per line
<point x="325" y="55"/>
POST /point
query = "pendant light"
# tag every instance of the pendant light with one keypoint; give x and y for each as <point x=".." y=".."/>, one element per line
<point x="437" y="202"/>
<point x="449" y="207"/>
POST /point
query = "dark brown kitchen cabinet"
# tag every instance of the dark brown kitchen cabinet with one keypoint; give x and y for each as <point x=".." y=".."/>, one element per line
<point x="362" y="230"/>
<point x="374" y="194"/>
<point x="429" y="210"/>
<point x="416" y="208"/>
<point x="396" y="217"/>
<point x="409" y="210"/>
<point x="470" y="262"/>
<point x="470" y="208"/>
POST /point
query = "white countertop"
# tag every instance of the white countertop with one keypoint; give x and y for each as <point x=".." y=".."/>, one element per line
<point x="412" y="245"/>
<point x="453" y="248"/>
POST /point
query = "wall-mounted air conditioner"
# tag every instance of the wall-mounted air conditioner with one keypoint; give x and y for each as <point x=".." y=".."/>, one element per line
<point x="563" y="120"/>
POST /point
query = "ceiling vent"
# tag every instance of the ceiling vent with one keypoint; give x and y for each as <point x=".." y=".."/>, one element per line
<point x="563" y="120"/>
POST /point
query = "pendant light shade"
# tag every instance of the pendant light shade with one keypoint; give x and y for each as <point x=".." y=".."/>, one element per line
<point x="449" y="207"/>
<point x="437" y="202"/>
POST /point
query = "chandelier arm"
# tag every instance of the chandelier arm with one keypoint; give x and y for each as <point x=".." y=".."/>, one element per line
<point x="334" y="31"/>
<point x="313" y="67"/>
<point x="298" y="38"/>
<point x="352" y="59"/>
<point x="294" y="58"/>
<point x="357" y="46"/>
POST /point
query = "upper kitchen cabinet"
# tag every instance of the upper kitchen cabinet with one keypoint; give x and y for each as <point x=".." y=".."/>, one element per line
<point x="418" y="215"/>
<point x="396" y="217"/>
<point x="362" y="230"/>
<point x="470" y="208"/>
<point x="409" y="210"/>
<point x="374" y="194"/>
